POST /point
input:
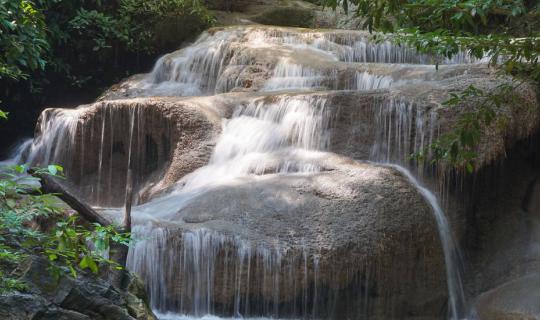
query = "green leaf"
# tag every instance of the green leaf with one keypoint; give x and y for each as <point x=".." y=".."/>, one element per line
<point x="52" y="169"/>
<point x="88" y="262"/>
<point x="11" y="203"/>
<point x="73" y="271"/>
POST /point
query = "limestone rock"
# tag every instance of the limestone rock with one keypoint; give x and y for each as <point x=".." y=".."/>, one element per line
<point x="173" y="136"/>
<point x="166" y="138"/>
<point x="82" y="298"/>
<point x="515" y="300"/>
<point x="356" y="220"/>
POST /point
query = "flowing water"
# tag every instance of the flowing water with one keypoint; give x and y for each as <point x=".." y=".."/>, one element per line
<point x="289" y="135"/>
<point x="457" y="302"/>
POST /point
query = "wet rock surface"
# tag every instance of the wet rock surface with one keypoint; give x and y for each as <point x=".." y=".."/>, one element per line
<point x="250" y="197"/>
<point x="160" y="139"/>
<point x="84" y="297"/>
<point x="371" y="234"/>
<point x="502" y="231"/>
<point x="517" y="299"/>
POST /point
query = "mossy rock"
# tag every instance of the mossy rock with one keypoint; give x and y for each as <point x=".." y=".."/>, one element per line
<point x="226" y="5"/>
<point x="172" y="31"/>
<point x="287" y="17"/>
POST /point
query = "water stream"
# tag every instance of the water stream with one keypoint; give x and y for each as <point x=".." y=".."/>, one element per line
<point x="457" y="302"/>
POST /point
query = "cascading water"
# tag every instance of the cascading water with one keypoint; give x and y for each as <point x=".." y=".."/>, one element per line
<point x="16" y="154"/>
<point x="403" y="130"/>
<point x="260" y="138"/>
<point x="279" y="131"/>
<point x="235" y="59"/>
<point x="282" y="137"/>
<point x="457" y="301"/>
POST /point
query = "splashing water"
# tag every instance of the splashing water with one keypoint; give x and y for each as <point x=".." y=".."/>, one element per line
<point x="175" y="316"/>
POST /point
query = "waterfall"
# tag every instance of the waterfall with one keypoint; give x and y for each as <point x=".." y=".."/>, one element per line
<point x="404" y="130"/>
<point x="272" y="126"/>
<point x="237" y="58"/>
<point x="457" y="302"/>
<point x="264" y="137"/>
<point x="95" y="155"/>
<point x="201" y="254"/>
<point x="294" y="76"/>
<point x="16" y="154"/>
<point x="259" y="138"/>
<point x="367" y="81"/>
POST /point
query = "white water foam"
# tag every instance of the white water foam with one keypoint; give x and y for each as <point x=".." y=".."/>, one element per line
<point x="175" y="316"/>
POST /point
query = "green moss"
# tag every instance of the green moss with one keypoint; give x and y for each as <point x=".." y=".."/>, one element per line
<point x="226" y="5"/>
<point x="287" y="17"/>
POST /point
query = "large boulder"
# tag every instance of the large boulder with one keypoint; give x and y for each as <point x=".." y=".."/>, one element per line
<point x="160" y="139"/>
<point x="346" y="242"/>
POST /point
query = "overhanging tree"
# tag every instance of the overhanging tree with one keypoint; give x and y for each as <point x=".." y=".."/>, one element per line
<point x="506" y="32"/>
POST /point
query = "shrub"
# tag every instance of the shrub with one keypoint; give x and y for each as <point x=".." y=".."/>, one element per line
<point x="67" y="245"/>
<point x="22" y="39"/>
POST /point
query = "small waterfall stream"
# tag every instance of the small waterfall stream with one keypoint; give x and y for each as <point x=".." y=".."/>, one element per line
<point x="282" y="131"/>
<point x="457" y="302"/>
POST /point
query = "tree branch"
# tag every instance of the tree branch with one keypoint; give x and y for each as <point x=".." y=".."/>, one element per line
<point x="50" y="185"/>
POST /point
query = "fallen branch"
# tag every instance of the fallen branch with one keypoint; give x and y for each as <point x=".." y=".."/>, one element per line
<point x="50" y="185"/>
<point x="117" y="252"/>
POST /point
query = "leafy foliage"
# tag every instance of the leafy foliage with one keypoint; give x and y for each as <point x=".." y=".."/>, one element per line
<point x="458" y="147"/>
<point x="3" y="114"/>
<point x="67" y="244"/>
<point x="103" y="34"/>
<point x="22" y="39"/>
<point x="67" y="51"/>
<point x="143" y="16"/>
